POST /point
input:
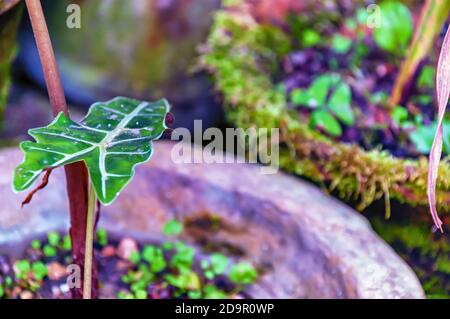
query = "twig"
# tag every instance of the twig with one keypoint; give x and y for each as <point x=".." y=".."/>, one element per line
<point x="87" y="283"/>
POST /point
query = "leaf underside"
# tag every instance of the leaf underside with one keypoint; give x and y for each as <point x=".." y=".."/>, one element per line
<point x="111" y="139"/>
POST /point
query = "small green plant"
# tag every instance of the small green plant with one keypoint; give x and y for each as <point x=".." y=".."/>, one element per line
<point x="396" y="27"/>
<point x="67" y="243"/>
<point x="216" y="265"/>
<point x="49" y="251"/>
<point x="155" y="257"/>
<point x="36" y="244"/>
<point x="173" y="228"/>
<point x="243" y="273"/>
<point x="102" y="237"/>
<point x="330" y="99"/>
<point x="423" y="136"/>
<point x="310" y="38"/>
<point x="426" y="77"/>
<point x="53" y="238"/>
<point x="341" y="44"/>
<point x="180" y="268"/>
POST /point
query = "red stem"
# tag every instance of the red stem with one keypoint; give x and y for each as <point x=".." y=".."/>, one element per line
<point x="76" y="174"/>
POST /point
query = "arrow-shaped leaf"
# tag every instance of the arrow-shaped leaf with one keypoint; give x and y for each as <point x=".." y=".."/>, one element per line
<point x="112" y="139"/>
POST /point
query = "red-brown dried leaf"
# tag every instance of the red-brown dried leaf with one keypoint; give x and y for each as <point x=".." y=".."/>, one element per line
<point x="44" y="183"/>
<point x="443" y="93"/>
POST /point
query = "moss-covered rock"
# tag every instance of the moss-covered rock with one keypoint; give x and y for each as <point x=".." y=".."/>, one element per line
<point x="240" y="54"/>
<point x="426" y="252"/>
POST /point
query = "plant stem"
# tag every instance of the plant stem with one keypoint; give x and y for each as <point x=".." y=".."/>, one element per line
<point x="87" y="284"/>
<point x="48" y="61"/>
<point x="76" y="173"/>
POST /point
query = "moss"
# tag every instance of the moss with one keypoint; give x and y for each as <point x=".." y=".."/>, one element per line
<point x="240" y="54"/>
<point x="426" y="252"/>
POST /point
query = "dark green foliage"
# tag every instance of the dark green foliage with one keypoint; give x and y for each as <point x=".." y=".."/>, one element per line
<point x="102" y="236"/>
<point x="243" y="273"/>
<point x="330" y="98"/>
<point x="396" y="27"/>
<point x="172" y="228"/>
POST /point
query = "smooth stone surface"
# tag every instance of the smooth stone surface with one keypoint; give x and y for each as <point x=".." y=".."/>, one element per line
<point x="307" y="244"/>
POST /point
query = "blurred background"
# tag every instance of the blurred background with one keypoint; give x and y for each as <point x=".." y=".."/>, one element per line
<point x="140" y="49"/>
<point x="149" y="49"/>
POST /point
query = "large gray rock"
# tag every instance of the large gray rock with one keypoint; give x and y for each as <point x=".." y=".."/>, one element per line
<point x="307" y="244"/>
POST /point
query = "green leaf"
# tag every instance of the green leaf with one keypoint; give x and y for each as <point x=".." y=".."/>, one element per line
<point x="426" y="77"/>
<point x="141" y="294"/>
<point x="219" y="263"/>
<point x="49" y="251"/>
<point x="300" y="97"/>
<point x="67" y="243"/>
<point x="310" y="38"/>
<point x="53" y="238"/>
<point x="102" y="237"/>
<point x="188" y="281"/>
<point x="341" y="44"/>
<point x="39" y="270"/>
<point x="155" y="257"/>
<point x="195" y="294"/>
<point x="8" y="281"/>
<point x="243" y="273"/>
<point x="183" y="258"/>
<point x="318" y="90"/>
<point x="423" y="137"/>
<point x="326" y="121"/>
<point x="340" y="104"/>
<point x="135" y="257"/>
<point x="212" y="292"/>
<point x="399" y="115"/>
<point x="22" y="267"/>
<point x="112" y="139"/>
<point x="172" y="228"/>
<point x="396" y="27"/>
<point x="422" y="99"/>
<point x="36" y="244"/>
<point x="361" y="16"/>
<point x="379" y="97"/>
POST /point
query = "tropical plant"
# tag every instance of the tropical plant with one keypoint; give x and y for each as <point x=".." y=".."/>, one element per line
<point x="111" y="140"/>
<point x="104" y="147"/>
<point x="396" y="27"/>
<point x="330" y="98"/>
